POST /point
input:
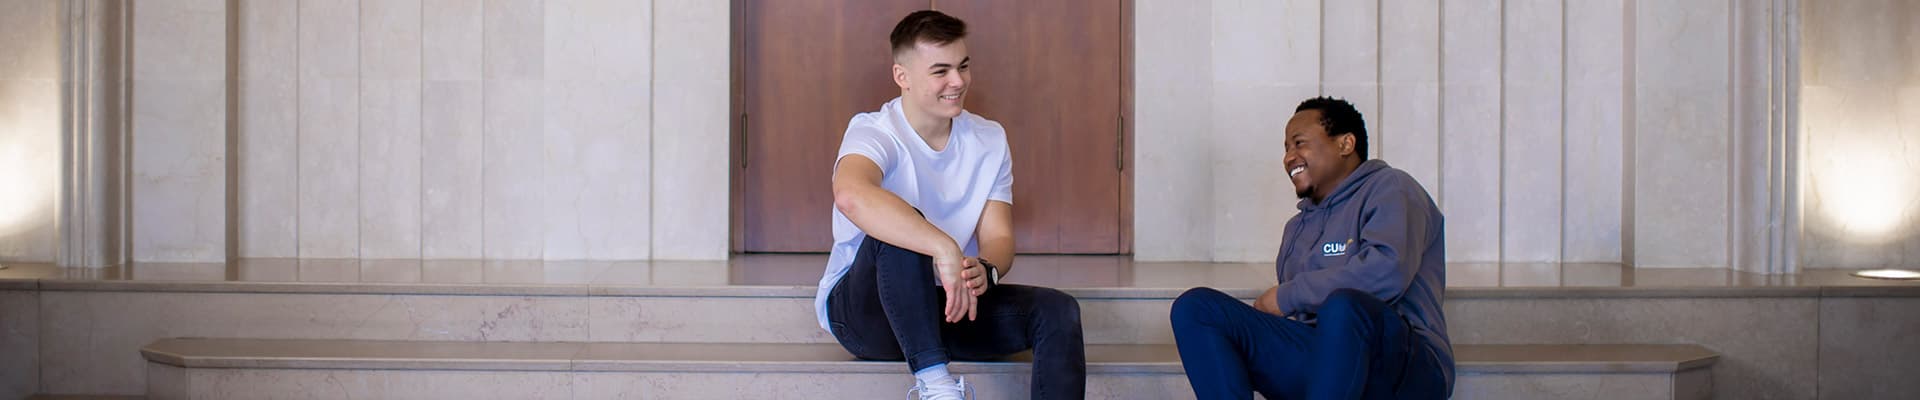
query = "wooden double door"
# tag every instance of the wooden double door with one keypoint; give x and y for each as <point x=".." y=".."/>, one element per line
<point x="1054" y="73"/>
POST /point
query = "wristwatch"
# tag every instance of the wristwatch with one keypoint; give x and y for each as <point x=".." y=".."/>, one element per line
<point x="993" y="272"/>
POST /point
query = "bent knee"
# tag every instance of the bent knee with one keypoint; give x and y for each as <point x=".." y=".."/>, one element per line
<point x="1058" y="305"/>
<point x="1346" y="302"/>
<point x="1196" y="305"/>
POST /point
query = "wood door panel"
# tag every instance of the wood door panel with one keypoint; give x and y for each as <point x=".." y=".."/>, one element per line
<point x="808" y="67"/>
<point x="1049" y="71"/>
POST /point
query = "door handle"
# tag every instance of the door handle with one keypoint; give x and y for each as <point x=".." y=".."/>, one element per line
<point x="1120" y="145"/>
<point x="744" y="151"/>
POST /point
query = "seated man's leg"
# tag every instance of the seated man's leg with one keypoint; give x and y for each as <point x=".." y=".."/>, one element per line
<point x="1014" y="318"/>
<point x="1230" y="349"/>
<point x="1363" y="347"/>
<point x="887" y="307"/>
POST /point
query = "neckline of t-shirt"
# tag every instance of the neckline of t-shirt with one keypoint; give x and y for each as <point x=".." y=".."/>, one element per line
<point x="900" y="113"/>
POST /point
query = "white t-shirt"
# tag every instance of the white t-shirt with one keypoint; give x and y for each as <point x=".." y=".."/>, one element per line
<point x="951" y="187"/>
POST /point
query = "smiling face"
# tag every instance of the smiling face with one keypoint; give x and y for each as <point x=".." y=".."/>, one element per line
<point x="933" y="78"/>
<point x="1316" y="162"/>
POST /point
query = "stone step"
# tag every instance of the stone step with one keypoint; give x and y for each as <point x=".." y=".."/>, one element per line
<point x="69" y="332"/>
<point x="243" y="368"/>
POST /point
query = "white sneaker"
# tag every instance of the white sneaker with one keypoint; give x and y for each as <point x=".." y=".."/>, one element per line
<point x="949" y="388"/>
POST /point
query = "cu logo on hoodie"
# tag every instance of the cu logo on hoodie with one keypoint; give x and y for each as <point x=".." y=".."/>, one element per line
<point x="1331" y="249"/>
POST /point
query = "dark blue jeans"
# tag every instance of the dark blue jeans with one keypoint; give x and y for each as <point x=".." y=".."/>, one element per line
<point x="1359" y="348"/>
<point x="888" y="308"/>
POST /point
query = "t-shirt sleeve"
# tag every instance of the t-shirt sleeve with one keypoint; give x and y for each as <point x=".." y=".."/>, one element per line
<point x="868" y="142"/>
<point x="1003" y="182"/>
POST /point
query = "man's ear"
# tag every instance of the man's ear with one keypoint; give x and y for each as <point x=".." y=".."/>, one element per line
<point x="1347" y="142"/>
<point x="900" y="76"/>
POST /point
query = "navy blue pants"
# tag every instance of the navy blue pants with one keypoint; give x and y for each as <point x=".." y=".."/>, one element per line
<point x="887" y="308"/>
<point x="1359" y="348"/>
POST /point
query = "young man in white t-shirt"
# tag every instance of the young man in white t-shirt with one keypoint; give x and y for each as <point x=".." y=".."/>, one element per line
<point x="923" y="195"/>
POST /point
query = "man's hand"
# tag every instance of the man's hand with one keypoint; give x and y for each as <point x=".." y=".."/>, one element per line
<point x="949" y="266"/>
<point x="1269" y="302"/>
<point x="976" y="276"/>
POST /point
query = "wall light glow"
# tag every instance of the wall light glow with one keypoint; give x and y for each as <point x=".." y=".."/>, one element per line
<point x="1865" y="184"/>
<point x="22" y="194"/>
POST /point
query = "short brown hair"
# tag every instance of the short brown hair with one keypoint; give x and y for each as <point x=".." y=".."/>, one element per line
<point x="926" y="26"/>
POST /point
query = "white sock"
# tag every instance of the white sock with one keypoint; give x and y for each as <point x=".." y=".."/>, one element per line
<point x="932" y="374"/>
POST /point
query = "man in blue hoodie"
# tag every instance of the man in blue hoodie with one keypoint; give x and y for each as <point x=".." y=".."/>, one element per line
<point x="1362" y="269"/>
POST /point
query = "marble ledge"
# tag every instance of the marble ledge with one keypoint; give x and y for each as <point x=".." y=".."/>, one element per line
<point x="794" y="276"/>
<point x="818" y="357"/>
<point x="807" y="292"/>
<point x="1528" y="358"/>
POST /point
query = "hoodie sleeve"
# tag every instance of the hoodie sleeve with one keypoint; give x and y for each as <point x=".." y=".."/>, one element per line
<point x="1386" y="255"/>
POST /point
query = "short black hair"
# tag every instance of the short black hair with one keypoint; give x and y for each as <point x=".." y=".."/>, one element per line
<point x="1339" y="117"/>
<point x="926" y="26"/>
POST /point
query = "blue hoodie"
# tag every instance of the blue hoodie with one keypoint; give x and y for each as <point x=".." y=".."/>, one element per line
<point x="1380" y="233"/>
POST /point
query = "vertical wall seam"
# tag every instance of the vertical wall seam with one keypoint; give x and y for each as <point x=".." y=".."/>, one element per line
<point x="125" y="127"/>
<point x="73" y="136"/>
<point x="63" y="234"/>
<point x="653" y="152"/>
<point x="68" y="83"/>
<point x="481" y="251"/>
<point x="1379" y="81"/>
<point x="298" y="129"/>
<point x="1500" y="170"/>
<point x="83" y="159"/>
<point x="231" y="212"/>
<point x="1440" y="98"/>
<point x="1629" y="76"/>
<point x="1786" y="245"/>
<point x="541" y="133"/>
<point x="359" y="129"/>
<point x="1735" y="217"/>
<point x="420" y="146"/>
<point x="1561" y="256"/>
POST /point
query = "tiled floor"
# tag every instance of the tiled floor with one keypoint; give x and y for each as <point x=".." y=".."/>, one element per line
<point x="805" y="269"/>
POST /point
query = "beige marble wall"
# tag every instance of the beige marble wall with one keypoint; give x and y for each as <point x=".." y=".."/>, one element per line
<point x="451" y="125"/>
<point x="19" y="343"/>
<point x="1570" y="386"/>
<point x="328" y="180"/>
<point x="29" y="129"/>
<point x="1520" y="117"/>
<point x="1595" y="118"/>
<point x="1410" y="89"/>
<point x="392" y="95"/>
<point x="353" y="384"/>
<point x="691" y="76"/>
<point x="326" y="384"/>
<point x="1867" y="348"/>
<point x="1265" y="58"/>
<point x="465" y="129"/>
<point x="92" y="339"/>
<point x="1768" y="346"/>
<point x="179" y="105"/>
<point x="1532" y="161"/>
<point x="1860" y="110"/>
<point x="268" y="88"/>
<point x="1680" y="157"/>
<point x="1172" y="123"/>
<point x="1470" y="129"/>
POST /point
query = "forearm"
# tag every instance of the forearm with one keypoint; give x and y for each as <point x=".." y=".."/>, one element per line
<point x="999" y="251"/>
<point x="883" y="215"/>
